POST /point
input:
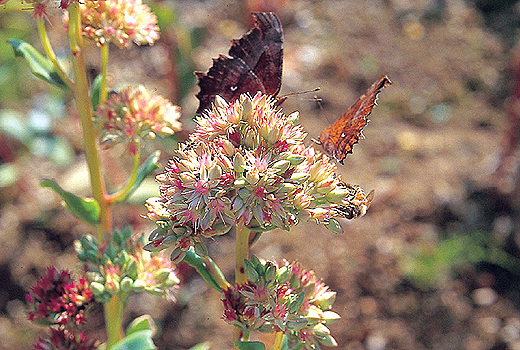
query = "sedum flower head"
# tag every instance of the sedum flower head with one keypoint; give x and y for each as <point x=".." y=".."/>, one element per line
<point x="246" y="163"/>
<point x="57" y="299"/>
<point x="282" y="298"/>
<point x="135" y="114"/>
<point x="121" y="266"/>
<point x="118" y="21"/>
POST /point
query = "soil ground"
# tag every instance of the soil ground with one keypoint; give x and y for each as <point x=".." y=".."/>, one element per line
<point x="431" y="149"/>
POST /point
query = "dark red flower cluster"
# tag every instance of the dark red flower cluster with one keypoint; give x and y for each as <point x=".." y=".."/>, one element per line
<point x="58" y="299"/>
<point x="61" y="339"/>
<point x="234" y="304"/>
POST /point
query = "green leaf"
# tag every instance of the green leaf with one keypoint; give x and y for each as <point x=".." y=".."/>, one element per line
<point x="149" y="166"/>
<point x="94" y="91"/>
<point x="85" y="209"/>
<point x="198" y="263"/>
<point x="249" y="345"/>
<point x="251" y="273"/>
<point x="39" y="64"/>
<point x="141" y="323"/>
<point x="201" y="346"/>
<point x="334" y="226"/>
<point x="141" y="340"/>
<point x="297" y="303"/>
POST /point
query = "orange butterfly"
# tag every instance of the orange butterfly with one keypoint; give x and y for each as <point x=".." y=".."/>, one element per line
<point x="337" y="140"/>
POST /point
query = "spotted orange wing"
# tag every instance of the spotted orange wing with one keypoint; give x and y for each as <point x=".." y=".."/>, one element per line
<point x="338" y="139"/>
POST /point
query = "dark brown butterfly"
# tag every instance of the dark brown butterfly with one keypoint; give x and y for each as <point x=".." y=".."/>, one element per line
<point x="255" y="64"/>
<point x="337" y="140"/>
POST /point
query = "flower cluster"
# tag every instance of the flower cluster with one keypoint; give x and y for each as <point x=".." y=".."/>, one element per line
<point x="246" y="163"/>
<point x="122" y="266"/>
<point x="282" y="298"/>
<point x="62" y="339"/>
<point x="135" y="114"/>
<point x="60" y="302"/>
<point x="42" y="8"/>
<point x="118" y="21"/>
<point x="57" y="299"/>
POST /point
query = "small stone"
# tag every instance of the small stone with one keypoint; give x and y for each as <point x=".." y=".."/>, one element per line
<point x="376" y="341"/>
<point x="368" y="305"/>
<point x="490" y="324"/>
<point x="484" y="296"/>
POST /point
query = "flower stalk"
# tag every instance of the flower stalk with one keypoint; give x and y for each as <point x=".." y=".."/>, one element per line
<point x="278" y="342"/>
<point x="241" y="255"/>
<point x="47" y="47"/>
<point x="113" y="310"/>
<point x="104" y="71"/>
<point x="115" y="197"/>
<point x="84" y="107"/>
<point x="241" y="252"/>
<point x="113" y="318"/>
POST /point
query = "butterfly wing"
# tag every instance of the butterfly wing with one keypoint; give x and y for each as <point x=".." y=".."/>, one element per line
<point x="262" y="50"/>
<point x="255" y="64"/>
<point x="338" y="139"/>
<point x="228" y="77"/>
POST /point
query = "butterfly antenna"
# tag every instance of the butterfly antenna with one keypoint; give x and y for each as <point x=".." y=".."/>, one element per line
<point x="319" y="102"/>
<point x="300" y="93"/>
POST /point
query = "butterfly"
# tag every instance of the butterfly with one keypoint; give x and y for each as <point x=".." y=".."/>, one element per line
<point x="255" y="64"/>
<point x="337" y="140"/>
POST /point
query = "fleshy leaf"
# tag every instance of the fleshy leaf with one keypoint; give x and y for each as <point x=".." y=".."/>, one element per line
<point x="149" y="166"/>
<point x="201" y="346"/>
<point x="249" y="345"/>
<point x="251" y="273"/>
<point x="39" y="64"/>
<point x="141" y="323"/>
<point x="85" y="209"/>
<point x="198" y="264"/>
<point x="334" y="226"/>
<point x="141" y="340"/>
<point x="94" y="91"/>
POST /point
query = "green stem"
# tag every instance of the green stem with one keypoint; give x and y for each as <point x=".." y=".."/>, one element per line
<point x="241" y="254"/>
<point x="133" y="177"/>
<point x="47" y="47"/>
<point x="84" y="107"/>
<point x="278" y="342"/>
<point x="104" y="70"/>
<point x="113" y="317"/>
<point x="114" y="308"/>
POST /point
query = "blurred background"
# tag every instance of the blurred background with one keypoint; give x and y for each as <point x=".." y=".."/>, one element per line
<point x="435" y="263"/>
